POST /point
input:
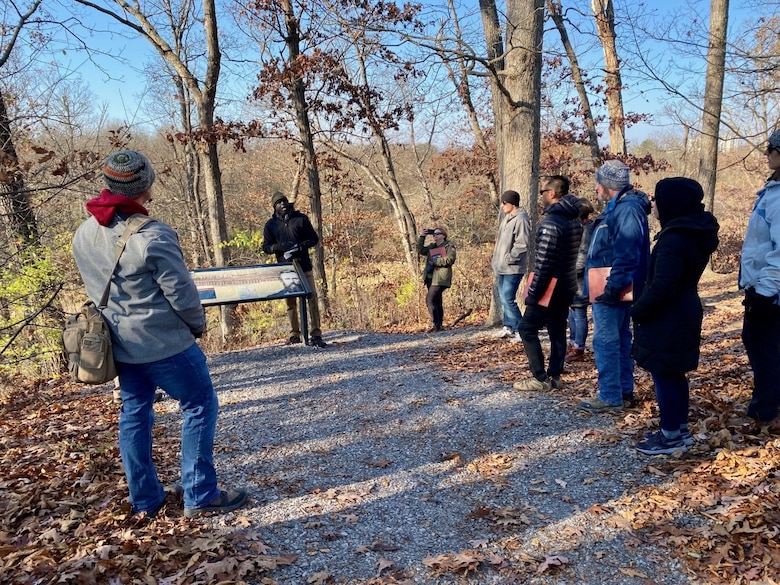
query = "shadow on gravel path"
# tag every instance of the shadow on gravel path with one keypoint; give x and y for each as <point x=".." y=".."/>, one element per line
<point x="367" y="460"/>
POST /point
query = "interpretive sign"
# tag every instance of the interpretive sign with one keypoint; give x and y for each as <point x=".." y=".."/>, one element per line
<point x="241" y="284"/>
<point x="262" y="282"/>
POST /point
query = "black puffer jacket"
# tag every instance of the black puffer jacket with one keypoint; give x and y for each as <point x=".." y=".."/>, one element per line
<point x="668" y="314"/>
<point x="580" y="299"/>
<point x="557" y="243"/>
<point x="282" y="233"/>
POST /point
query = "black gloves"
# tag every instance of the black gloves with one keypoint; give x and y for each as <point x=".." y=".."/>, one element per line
<point x="757" y="304"/>
<point x="610" y="297"/>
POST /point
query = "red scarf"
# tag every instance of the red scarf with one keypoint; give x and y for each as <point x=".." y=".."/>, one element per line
<point x="105" y="206"/>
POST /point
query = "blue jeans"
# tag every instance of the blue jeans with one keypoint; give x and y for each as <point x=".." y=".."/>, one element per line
<point x="673" y="394"/>
<point x="185" y="377"/>
<point x="507" y="291"/>
<point x="612" y="349"/>
<point x="578" y="326"/>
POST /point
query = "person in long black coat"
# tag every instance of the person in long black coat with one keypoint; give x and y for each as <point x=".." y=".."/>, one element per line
<point x="668" y="314"/>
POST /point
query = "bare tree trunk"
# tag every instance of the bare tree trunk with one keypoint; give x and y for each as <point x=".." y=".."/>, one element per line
<point x="198" y="229"/>
<point x="405" y="218"/>
<point x="420" y="158"/>
<point x="204" y="94"/>
<point x="554" y="8"/>
<point x="604" y="13"/>
<point x="463" y="87"/>
<point x="386" y="182"/>
<point x="387" y="188"/>
<point x="495" y="52"/>
<point x="713" y="99"/>
<point x="298" y="92"/>
<point x="517" y="101"/>
<point x="16" y="200"/>
<point x="15" y="197"/>
<point x="520" y="135"/>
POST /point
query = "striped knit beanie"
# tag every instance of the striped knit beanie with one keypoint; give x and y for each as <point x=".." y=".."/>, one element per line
<point x="128" y="172"/>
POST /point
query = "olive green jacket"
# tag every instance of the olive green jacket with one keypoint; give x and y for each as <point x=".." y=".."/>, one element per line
<point x="438" y="269"/>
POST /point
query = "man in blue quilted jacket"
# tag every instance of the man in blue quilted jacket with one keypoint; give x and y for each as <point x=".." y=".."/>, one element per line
<point x="621" y="241"/>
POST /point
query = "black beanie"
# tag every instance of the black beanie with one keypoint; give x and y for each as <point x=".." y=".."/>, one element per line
<point x="512" y="197"/>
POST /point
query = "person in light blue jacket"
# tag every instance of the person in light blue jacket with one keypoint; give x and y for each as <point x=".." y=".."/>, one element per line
<point x="621" y="241"/>
<point x="154" y="315"/>
<point x="759" y="277"/>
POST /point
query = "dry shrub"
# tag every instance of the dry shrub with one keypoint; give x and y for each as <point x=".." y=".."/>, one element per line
<point x="732" y="209"/>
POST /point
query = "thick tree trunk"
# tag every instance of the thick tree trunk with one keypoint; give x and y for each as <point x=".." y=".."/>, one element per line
<point x="713" y="99"/>
<point x="516" y="87"/>
<point x="604" y="13"/>
<point x="520" y="111"/>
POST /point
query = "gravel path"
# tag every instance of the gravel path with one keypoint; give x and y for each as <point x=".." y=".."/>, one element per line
<point x="364" y="459"/>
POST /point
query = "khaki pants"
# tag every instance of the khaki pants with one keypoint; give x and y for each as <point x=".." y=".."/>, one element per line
<point x="314" y="311"/>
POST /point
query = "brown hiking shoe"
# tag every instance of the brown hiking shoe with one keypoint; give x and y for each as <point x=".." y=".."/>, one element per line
<point x="598" y="405"/>
<point x="227" y="501"/>
<point x="574" y="355"/>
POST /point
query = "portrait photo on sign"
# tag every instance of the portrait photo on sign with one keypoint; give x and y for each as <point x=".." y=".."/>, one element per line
<point x="236" y="284"/>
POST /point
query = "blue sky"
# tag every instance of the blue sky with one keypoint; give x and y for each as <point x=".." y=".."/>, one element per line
<point x="123" y="87"/>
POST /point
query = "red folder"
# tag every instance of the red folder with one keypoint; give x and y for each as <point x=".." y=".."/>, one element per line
<point x="441" y="251"/>
<point x="597" y="282"/>
<point x="544" y="300"/>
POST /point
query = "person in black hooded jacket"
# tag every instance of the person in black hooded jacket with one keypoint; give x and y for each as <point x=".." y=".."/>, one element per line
<point x="290" y="235"/>
<point x="554" y="269"/>
<point x="668" y="314"/>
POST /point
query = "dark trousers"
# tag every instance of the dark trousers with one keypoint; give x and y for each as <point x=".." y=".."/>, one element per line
<point x="433" y="300"/>
<point x="672" y="392"/>
<point x="554" y="318"/>
<point x="761" y="336"/>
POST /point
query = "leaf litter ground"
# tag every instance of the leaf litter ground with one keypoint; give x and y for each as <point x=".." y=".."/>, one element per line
<point x="404" y="459"/>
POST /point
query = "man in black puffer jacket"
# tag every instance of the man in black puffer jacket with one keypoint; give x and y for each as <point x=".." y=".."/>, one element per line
<point x="552" y="283"/>
<point x="289" y="234"/>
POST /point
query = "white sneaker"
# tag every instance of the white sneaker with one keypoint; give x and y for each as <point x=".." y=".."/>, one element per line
<point x="503" y="332"/>
<point x="516" y="338"/>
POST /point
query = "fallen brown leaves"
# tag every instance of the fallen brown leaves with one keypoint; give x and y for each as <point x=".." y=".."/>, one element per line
<point x="719" y="509"/>
<point x="64" y="513"/>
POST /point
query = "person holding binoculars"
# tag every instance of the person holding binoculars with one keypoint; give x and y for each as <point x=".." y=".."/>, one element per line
<point x="440" y="256"/>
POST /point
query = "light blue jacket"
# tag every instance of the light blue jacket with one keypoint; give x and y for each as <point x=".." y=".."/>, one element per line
<point x="760" y="264"/>
<point x="153" y="307"/>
